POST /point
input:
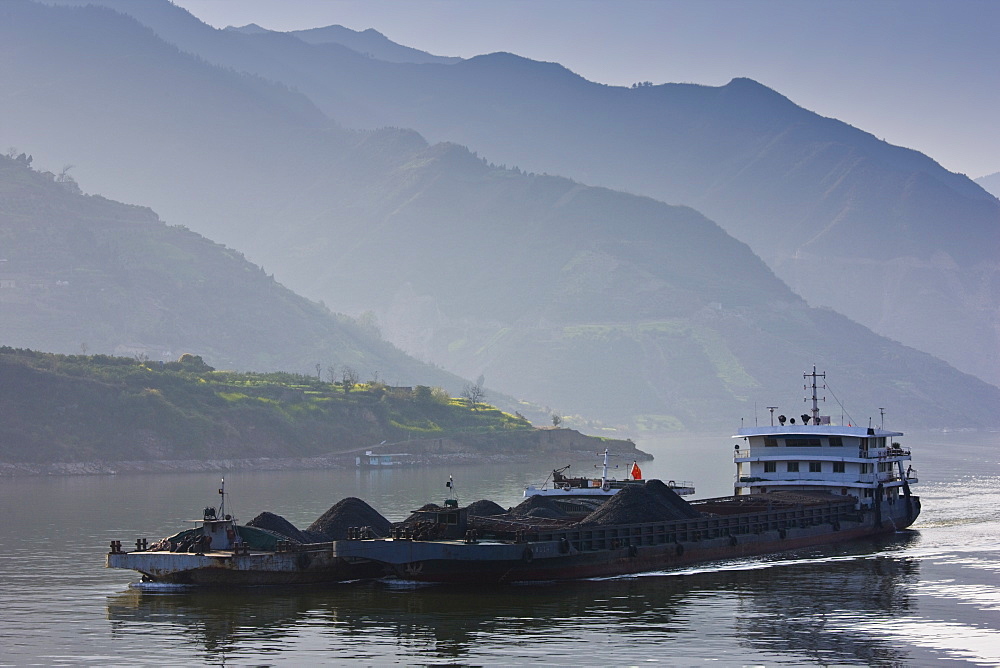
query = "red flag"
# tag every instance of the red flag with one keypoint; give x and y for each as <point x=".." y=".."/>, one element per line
<point x="636" y="471"/>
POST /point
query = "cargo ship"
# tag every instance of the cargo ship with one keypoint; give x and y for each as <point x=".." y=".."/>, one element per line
<point x="798" y="485"/>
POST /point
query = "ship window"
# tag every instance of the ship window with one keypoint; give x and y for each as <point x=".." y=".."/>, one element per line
<point x="838" y="467"/>
<point x="802" y="442"/>
<point x="793" y="467"/>
<point x="815" y="467"/>
<point x="770" y="442"/>
<point x="836" y="442"/>
<point x="770" y="467"/>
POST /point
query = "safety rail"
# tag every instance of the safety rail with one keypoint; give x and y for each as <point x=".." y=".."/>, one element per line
<point x="805" y="454"/>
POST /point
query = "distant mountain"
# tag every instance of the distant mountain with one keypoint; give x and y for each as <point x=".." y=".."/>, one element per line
<point x="85" y="274"/>
<point x="371" y="43"/>
<point x="846" y="219"/>
<point x="589" y="301"/>
<point x="248" y="29"/>
<point x="990" y="183"/>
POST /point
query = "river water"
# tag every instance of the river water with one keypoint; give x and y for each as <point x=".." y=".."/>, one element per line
<point x="914" y="598"/>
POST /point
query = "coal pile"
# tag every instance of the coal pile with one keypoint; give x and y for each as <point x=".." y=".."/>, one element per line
<point x="279" y="525"/>
<point x="652" y="502"/>
<point x="672" y="499"/>
<point x="350" y="512"/>
<point x="485" y="508"/>
<point x="538" y="506"/>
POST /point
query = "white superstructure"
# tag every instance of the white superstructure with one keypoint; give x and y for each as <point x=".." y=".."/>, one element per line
<point x="863" y="462"/>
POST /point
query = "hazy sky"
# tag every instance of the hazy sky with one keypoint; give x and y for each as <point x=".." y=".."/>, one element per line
<point x="919" y="73"/>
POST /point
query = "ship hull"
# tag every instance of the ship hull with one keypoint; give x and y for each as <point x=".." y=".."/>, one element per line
<point x="224" y="568"/>
<point x="562" y="554"/>
<point x="633" y="551"/>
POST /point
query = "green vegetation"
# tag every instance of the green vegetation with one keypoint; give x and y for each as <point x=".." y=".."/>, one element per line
<point x="78" y="407"/>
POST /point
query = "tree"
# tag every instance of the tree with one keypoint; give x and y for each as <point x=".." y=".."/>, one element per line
<point x="194" y="363"/>
<point x="473" y="394"/>
<point x="440" y="395"/>
<point x="67" y="181"/>
<point x="349" y="377"/>
<point x="556" y="420"/>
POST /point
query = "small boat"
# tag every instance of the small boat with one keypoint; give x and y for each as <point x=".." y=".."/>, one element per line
<point x="564" y="486"/>
<point x="379" y="460"/>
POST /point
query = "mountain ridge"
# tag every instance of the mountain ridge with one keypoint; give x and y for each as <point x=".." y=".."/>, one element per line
<point x="594" y="302"/>
<point x="838" y="188"/>
<point x="370" y="42"/>
<point x="990" y="183"/>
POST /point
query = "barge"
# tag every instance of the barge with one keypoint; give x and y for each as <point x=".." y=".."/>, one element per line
<point x="797" y="486"/>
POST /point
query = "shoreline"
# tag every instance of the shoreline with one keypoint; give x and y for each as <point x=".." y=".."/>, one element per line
<point x="333" y="461"/>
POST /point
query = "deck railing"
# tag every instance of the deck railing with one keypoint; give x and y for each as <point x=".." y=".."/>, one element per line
<point x="804" y="454"/>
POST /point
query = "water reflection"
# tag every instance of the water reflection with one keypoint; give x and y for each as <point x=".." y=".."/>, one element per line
<point x="801" y="608"/>
<point x="781" y="605"/>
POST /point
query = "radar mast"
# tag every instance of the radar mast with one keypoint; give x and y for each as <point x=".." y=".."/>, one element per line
<point x="815" y="400"/>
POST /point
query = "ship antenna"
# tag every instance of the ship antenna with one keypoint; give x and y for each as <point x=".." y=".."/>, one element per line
<point x="772" y="409"/>
<point x="222" y="504"/>
<point x="815" y="400"/>
<point x="881" y="412"/>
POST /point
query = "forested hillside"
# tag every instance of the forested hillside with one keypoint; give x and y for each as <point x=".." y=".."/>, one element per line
<point x="82" y="273"/>
<point x="74" y="408"/>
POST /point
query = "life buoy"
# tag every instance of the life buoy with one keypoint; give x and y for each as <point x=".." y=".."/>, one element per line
<point x="670" y="483"/>
<point x="527" y="556"/>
